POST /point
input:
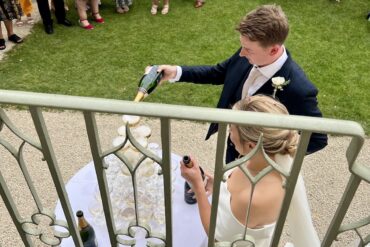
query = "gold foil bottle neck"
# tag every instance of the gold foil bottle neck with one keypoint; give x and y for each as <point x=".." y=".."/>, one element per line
<point x="139" y="97"/>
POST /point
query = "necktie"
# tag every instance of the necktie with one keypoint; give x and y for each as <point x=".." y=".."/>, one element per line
<point x="253" y="74"/>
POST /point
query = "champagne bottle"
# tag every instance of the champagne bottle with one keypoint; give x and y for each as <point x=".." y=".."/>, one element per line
<point x="87" y="232"/>
<point x="148" y="83"/>
<point x="189" y="196"/>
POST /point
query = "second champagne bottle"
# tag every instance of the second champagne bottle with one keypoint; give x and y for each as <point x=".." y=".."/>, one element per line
<point x="189" y="197"/>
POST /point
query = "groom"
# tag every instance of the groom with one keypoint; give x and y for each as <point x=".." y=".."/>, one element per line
<point x="249" y="71"/>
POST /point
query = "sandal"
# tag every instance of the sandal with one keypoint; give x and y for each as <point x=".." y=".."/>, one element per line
<point x="30" y="21"/>
<point x="2" y="44"/>
<point x="88" y="26"/>
<point x="98" y="20"/>
<point x="15" y="39"/>
<point x="120" y="10"/>
<point x="19" y="23"/>
<point x="198" y="3"/>
<point x="154" y="9"/>
<point x="165" y="9"/>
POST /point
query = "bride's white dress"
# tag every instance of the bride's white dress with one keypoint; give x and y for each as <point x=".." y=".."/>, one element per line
<point x="301" y="229"/>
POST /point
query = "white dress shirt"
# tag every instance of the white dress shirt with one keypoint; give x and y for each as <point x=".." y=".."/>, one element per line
<point x="266" y="72"/>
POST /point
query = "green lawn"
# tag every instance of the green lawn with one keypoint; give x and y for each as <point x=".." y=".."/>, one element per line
<point x="330" y="40"/>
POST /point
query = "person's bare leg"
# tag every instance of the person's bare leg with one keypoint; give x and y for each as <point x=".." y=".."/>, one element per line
<point x="2" y="40"/>
<point x="81" y="10"/>
<point x="9" y="27"/>
<point x="95" y="9"/>
<point x="154" y="9"/>
<point x="166" y="7"/>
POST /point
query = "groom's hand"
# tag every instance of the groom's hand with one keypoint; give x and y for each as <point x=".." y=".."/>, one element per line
<point x="169" y="72"/>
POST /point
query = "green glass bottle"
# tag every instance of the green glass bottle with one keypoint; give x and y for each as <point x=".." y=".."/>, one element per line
<point x="189" y="196"/>
<point x="87" y="232"/>
<point x="148" y="83"/>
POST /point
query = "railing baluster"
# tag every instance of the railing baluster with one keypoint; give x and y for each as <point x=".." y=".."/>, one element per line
<point x="166" y="168"/>
<point x="219" y="165"/>
<point x="49" y="156"/>
<point x="12" y="209"/>
<point x="290" y="185"/>
<point x="92" y="132"/>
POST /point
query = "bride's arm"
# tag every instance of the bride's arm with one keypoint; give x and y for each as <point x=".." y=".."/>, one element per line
<point x="193" y="176"/>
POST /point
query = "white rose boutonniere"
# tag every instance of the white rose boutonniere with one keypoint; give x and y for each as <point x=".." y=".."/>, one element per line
<point x="278" y="83"/>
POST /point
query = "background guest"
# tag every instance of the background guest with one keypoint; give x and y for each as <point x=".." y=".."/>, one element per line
<point x="9" y="10"/>
<point x="123" y="6"/>
<point x="27" y="11"/>
<point x="165" y="9"/>
<point x="82" y="8"/>
<point x="199" y="3"/>
<point x="45" y="13"/>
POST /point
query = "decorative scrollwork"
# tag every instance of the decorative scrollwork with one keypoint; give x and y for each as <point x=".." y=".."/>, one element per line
<point x="32" y="227"/>
<point x="146" y="154"/>
<point x="128" y="236"/>
<point x="239" y="240"/>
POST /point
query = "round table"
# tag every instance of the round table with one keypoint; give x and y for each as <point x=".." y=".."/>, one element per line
<point x="187" y="227"/>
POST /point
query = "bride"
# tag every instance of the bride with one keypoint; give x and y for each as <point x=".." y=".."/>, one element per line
<point x="264" y="199"/>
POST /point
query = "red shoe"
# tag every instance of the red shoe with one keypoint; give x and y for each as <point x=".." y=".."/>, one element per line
<point x="88" y="26"/>
<point x="98" y="20"/>
<point x="198" y="3"/>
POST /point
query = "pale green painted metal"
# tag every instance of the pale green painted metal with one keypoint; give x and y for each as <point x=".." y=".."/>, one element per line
<point x="166" y="169"/>
<point x="92" y="132"/>
<point x="89" y="106"/>
<point x="49" y="156"/>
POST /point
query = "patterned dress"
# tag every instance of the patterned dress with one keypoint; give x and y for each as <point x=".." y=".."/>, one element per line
<point x="122" y="3"/>
<point x="10" y="9"/>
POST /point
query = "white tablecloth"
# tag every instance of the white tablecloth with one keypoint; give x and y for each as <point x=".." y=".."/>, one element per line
<point x="187" y="227"/>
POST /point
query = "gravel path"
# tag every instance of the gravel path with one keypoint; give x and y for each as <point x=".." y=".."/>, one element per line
<point x="325" y="172"/>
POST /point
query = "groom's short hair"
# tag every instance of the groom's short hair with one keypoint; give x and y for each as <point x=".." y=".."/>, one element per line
<point x="266" y="24"/>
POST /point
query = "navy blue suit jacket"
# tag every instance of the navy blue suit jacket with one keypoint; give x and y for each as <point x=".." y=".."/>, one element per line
<point x="299" y="96"/>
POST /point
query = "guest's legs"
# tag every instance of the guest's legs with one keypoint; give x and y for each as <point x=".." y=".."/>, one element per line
<point x="1" y="32"/>
<point x="166" y="7"/>
<point x="9" y="27"/>
<point x="2" y="41"/>
<point x="60" y="12"/>
<point x="11" y="36"/>
<point x="95" y="9"/>
<point x="81" y="9"/>
<point x="44" y="9"/>
<point x="154" y="7"/>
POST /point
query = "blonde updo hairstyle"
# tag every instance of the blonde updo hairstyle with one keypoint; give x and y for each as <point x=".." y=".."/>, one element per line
<point x="275" y="141"/>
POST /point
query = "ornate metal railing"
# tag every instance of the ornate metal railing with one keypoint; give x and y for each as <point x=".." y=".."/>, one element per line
<point x="90" y="106"/>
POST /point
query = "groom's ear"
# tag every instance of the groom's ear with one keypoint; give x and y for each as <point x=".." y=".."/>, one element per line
<point x="274" y="49"/>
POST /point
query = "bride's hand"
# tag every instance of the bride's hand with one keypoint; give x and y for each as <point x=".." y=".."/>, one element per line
<point x="208" y="183"/>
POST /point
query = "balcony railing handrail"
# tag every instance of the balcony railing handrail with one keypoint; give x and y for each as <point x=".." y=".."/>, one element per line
<point x="194" y="113"/>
